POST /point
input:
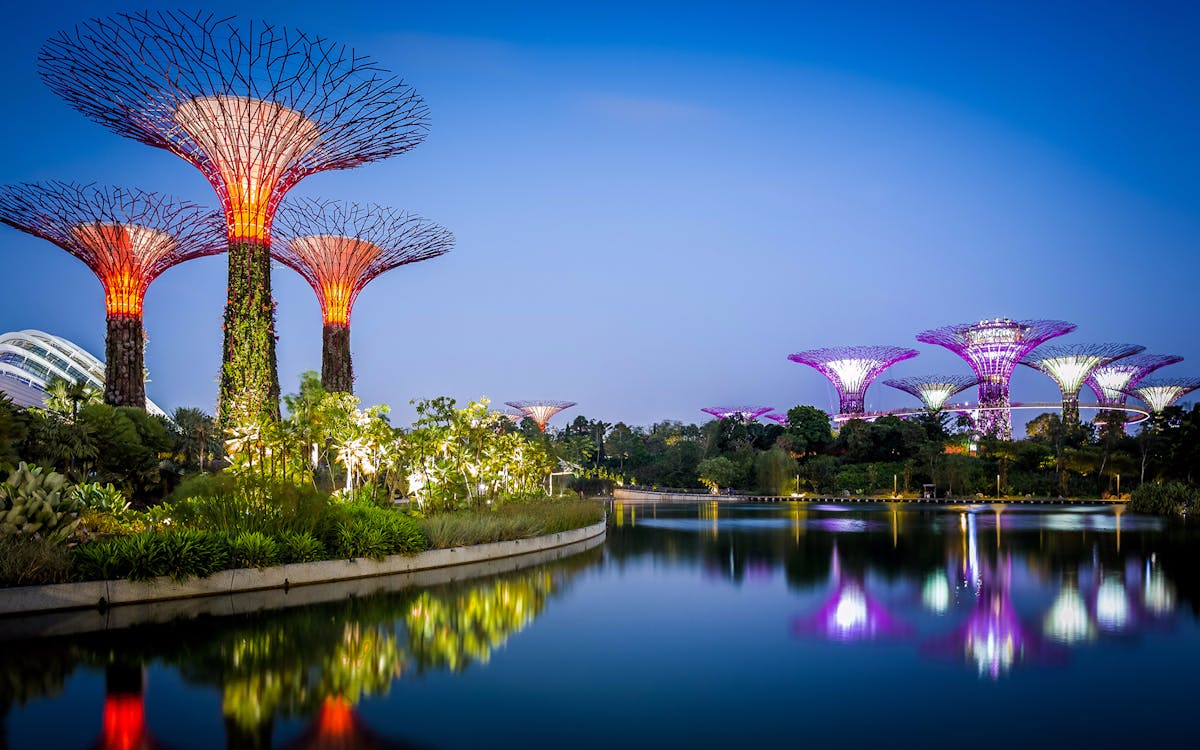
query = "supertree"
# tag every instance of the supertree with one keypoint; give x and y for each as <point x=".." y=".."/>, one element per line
<point x="1112" y="382"/>
<point x="256" y="108"/>
<point x="127" y="238"/>
<point x="339" y="248"/>
<point x="852" y="369"/>
<point x="777" y="418"/>
<point x="933" y="390"/>
<point x="1069" y="365"/>
<point x="540" y="411"/>
<point x="748" y="413"/>
<point x="1160" y="393"/>
<point x="992" y="348"/>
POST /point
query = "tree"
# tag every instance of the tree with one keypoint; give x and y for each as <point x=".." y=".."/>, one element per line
<point x="14" y="429"/>
<point x="67" y="396"/>
<point x="196" y="437"/>
<point x="717" y="472"/>
<point x="776" y="471"/>
<point x="808" y="431"/>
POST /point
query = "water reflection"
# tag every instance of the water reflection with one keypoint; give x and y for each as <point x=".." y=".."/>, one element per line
<point x="317" y="662"/>
<point x="995" y="586"/>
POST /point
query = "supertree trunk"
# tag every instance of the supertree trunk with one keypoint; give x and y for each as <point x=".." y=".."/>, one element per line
<point x="337" y="373"/>
<point x="249" y="375"/>
<point x="124" y="373"/>
<point x="1070" y="410"/>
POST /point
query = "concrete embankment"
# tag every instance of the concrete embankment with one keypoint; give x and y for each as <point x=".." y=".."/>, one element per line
<point x="99" y="605"/>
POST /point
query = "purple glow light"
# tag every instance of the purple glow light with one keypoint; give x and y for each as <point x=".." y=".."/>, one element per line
<point x="747" y="413"/>
<point x="992" y="348"/>
<point x="852" y="369"/>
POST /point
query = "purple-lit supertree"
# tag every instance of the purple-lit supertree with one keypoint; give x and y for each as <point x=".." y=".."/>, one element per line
<point x="746" y="413"/>
<point x="933" y="390"/>
<point x="540" y="411"/>
<point x="992" y="348"/>
<point x="339" y="248"/>
<point x="1112" y="382"/>
<point x="777" y="418"/>
<point x="852" y="369"/>
<point x="127" y="238"/>
<point x="1069" y="365"/>
<point x="256" y="108"/>
<point x="1160" y="393"/>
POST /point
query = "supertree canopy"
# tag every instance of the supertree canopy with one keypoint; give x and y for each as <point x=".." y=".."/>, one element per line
<point x="1160" y="393"/>
<point x="127" y="238"/>
<point x="777" y="418"/>
<point x="1070" y="364"/>
<point x="852" y="369"/>
<point x="540" y="411"/>
<point x="1112" y="382"/>
<point x="338" y="248"/>
<point x="933" y="390"/>
<point x="992" y="348"/>
<point x="256" y="108"/>
<point x="748" y="413"/>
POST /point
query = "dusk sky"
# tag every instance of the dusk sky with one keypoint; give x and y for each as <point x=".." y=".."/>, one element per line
<point x="655" y="203"/>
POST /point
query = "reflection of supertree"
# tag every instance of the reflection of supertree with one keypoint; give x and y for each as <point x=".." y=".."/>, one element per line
<point x="339" y="248"/>
<point x="777" y="418"/>
<point x="124" y="724"/>
<point x="1071" y="364"/>
<point x="933" y="390"/>
<point x="1112" y="382"/>
<point x="1068" y="620"/>
<point x="746" y="413"/>
<point x="850" y="613"/>
<point x="1160" y="393"/>
<point x="256" y="108"/>
<point x="127" y="238"/>
<point x="992" y="348"/>
<point x="852" y="369"/>
<point x="540" y="411"/>
<point x="992" y="638"/>
<point x="1113" y="611"/>
<point x="453" y="629"/>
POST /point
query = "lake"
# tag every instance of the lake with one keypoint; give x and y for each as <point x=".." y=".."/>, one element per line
<point x="706" y="625"/>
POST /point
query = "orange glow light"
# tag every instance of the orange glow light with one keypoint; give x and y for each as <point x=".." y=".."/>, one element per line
<point x="335" y="718"/>
<point x="123" y="258"/>
<point x="253" y="146"/>
<point x="340" y="266"/>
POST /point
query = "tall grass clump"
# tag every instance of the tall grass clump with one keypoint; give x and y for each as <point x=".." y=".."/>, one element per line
<point x="519" y="520"/>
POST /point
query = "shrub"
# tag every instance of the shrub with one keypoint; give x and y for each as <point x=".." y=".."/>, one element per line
<point x="141" y="557"/>
<point x="26" y="560"/>
<point x="253" y="549"/>
<point x="299" y="547"/>
<point x="1167" y="499"/>
<point x="102" y="497"/>
<point x="34" y="501"/>
<point x="368" y="531"/>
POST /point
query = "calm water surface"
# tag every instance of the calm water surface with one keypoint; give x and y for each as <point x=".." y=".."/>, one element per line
<point x="698" y="626"/>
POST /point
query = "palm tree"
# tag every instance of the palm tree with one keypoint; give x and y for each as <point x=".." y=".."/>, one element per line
<point x="65" y="396"/>
<point x="196" y="433"/>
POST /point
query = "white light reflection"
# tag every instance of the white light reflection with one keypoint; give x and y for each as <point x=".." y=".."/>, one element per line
<point x="935" y="595"/>
<point x="1068" y="621"/>
<point x="1112" y="608"/>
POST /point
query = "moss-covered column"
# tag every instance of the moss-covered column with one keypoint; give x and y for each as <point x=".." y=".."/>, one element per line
<point x="337" y="374"/>
<point x="124" y="371"/>
<point x="1070" y="410"/>
<point x="249" y="375"/>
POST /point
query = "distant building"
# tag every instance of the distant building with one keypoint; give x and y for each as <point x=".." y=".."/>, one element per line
<point x="30" y="359"/>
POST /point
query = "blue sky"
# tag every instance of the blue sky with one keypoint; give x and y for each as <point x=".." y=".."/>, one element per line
<point x="656" y="202"/>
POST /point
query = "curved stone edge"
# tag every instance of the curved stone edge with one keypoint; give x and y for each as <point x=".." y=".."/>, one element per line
<point x="59" y="597"/>
<point x="626" y="494"/>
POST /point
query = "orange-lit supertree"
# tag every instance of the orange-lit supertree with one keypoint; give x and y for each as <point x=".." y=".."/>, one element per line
<point x="256" y="108"/>
<point x="127" y="238"/>
<point x="339" y="248"/>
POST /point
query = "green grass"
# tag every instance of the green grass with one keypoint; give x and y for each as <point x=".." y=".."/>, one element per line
<point x="510" y="521"/>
